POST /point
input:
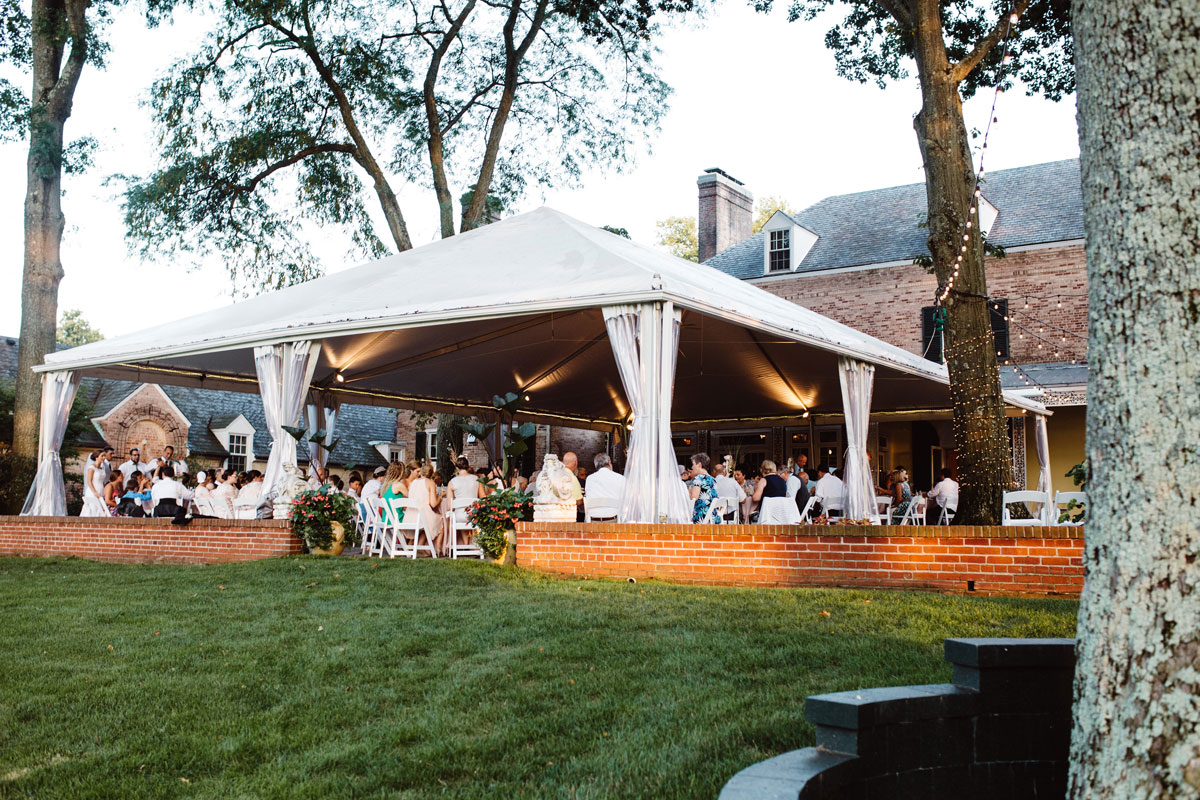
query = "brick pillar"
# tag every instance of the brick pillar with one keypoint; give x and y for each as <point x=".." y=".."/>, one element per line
<point x="726" y="213"/>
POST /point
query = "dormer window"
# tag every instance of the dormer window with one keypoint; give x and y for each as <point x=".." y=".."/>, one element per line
<point x="779" y="254"/>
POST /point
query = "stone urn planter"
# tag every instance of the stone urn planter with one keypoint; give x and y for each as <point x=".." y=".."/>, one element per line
<point x="338" y="545"/>
<point x="324" y="519"/>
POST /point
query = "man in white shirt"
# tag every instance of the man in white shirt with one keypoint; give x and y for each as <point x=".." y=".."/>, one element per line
<point x="829" y="488"/>
<point x="372" y="488"/>
<point x="168" y="457"/>
<point x="794" y="484"/>
<point x="945" y="492"/>
<point x="604" y="483"/>
<point x="134" y="464"/>
<point x="171" y="490"/>
<point x="727" y="486"/>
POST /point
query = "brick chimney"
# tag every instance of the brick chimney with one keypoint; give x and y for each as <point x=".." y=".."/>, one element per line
<point x="726" y="212"/>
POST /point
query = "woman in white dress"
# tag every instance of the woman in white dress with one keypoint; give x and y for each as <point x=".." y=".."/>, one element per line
<point x="423" y="494"/>
<point x="93" y="487"/>
<point x="223" y="496"/>
<point x="464" y="484"/>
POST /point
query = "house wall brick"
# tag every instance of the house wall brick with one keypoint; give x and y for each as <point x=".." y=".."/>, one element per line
<point x="887" y="302"/>
<point x="147" y="541"/>
<point x="144" y="420"/>
<point x="1043" y="560"/>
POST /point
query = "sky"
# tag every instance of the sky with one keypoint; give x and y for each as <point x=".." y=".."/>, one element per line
<point x="753" y="94"/>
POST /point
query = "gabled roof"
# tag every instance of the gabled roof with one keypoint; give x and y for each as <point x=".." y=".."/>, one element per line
<point x="1038" y="204"/>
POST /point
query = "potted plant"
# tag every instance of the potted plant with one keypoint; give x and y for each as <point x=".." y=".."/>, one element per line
<point x="324" y="519"/>
<point x="495" y="518"/>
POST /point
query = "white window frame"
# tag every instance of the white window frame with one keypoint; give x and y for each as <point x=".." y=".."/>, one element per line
<point x="800" y="241"/>
<point x="236" y="439"/>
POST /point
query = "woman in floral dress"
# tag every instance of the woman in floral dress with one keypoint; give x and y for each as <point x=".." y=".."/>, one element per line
<point x="703" y="488"/>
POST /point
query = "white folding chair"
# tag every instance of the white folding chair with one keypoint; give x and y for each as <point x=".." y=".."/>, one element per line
<point x="601" y="508"/>
<point x="806" y="514"/>
<point x="246" y="509"/>
<point x="203" y="506"/>
<point x="717" y="510"/>
<point x="883" y="510"/>
<point x="835" y="507"/>
<point x="369" y="526"/>
<point x="454" y="528"/>
<point x="1061" y="500"/>
<point x="778" y="511"/>
<point x="733" y="511"/>
<point x="915" y="513"/>
<point x="948" y="512"/>
<point x="1042" y="498"/>
<point x="413" y="523"/>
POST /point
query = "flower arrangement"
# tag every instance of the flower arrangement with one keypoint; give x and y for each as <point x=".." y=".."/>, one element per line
<point x="495" y="514"/>
<point x="313" y="513"/>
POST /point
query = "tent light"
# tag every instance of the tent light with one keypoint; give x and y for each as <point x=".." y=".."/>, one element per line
<point x="527" y="398"/>
<point x="805" y="414"/>
<point x="340" y="378"/>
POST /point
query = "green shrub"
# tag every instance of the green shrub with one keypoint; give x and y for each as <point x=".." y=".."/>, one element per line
<point x="16" y="476"/>
<point x="495" y="514"/>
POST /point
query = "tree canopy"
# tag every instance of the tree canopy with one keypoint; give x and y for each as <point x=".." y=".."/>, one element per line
<point x="679" y="236"/>
<point x="74" y="330"/>
<point x="765" y="208"/>
<point x="293" y="112"/>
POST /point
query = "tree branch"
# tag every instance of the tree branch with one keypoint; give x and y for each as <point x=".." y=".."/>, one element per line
<point x="295" y="158"/>
<point x="963" y="68"/>
<point x="899" y="10"/>
<point x="60" y="97"/>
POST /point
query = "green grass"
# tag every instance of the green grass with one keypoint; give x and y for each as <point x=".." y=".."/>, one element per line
<point x="309" y="678"/>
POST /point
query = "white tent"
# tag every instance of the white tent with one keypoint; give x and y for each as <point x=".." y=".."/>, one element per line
<point x="531" y="304"/>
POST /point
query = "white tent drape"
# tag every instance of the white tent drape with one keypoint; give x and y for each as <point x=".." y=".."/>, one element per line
<point x="47" y="496"/>
<point x="284" y="374"/>
<point x="857" y="379"/>
<point x="1042" y="445"/>
<point x="322" y="414"/>
<point x="646" y="362"/>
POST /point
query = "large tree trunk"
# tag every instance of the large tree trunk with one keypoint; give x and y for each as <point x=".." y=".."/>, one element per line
<point x="1137" y="685"/>
<point x="54" y="22"/>
<point x="979" y="426"/>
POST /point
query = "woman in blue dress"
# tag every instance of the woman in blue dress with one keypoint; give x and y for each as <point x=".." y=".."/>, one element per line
<point x="901" y="494"/>
<point x="703" y="488"/>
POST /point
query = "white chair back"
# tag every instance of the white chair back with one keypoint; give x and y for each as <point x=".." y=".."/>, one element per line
<point x="597" y="508"/>
<point x="948" y="512"/>
<point x="806" y="514"/>
<point x="1062" y="500"/>
<point x="835" y="506"/>
<point x="778" y="511"/>
<point x="1026" y="497"/>
<point x="915" y="513"/>
<point x="454" y="527"/>
<point x="413" y="524"/>
<point x="203" y="506"/>
<point x="245" y="509"/>
<point x="883" y="510"/>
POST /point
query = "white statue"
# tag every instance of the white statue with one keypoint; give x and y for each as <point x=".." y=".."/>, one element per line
<point x="553" y="499"/>
<point x="291" y="486"/>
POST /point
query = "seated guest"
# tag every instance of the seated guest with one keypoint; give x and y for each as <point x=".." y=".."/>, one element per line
<point x="337" y="484"/>
<point x="581" y="475"/>
<point x="728" y="487"/>
<point x="901" y="494"/>
<point x="703" y="490"/>
<point x="571" y="462"/>
<point x="224" y="494"/>
<point x="797" y="489"/>
<point x="170" y="497"/>
<point x="354" y="485"/>
<point x="522" y="483"/>
<point x="253" y="491"/>
<point x="423" y="493"/>
<point x="373" y="488"/>
<point x="464" y="484"/>
<point x="394" y="486"/>
<point x="945" y="491"/>
<point x="113" y="491"/>
<point x="134" y="464"/>
<point x="829" y="488"/>
<point x="792" y="482"/>
<point x="317" y="477"/>
<point x="133" y="499"/>
<point x="770" y="484"/>
<point x="604" y="482"/>
<point x="204" y="486"/>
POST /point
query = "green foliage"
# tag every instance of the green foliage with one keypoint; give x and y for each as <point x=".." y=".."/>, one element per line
<point x="516" y="437"/>
<point x="679" y="237"/>
<point x="462" y="670"/>
<point x="622" y="232"/>
<point x="292" y="113"/>
<point x="16" y="476"/>
<point x="74" y="330"/>
<point x="313" y="513"/>
<point x="1076" y="511"/>
<point x="495" y="514"/>
<point x="765" y="208"/>
<point x="870" y="44"/>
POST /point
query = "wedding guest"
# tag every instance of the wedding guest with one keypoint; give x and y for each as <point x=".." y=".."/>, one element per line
<point x="394" y="486"/>
<point x="945" y="491"/>
<point x="134" y="498"/>
<point x="134" y="464"/>
<point x="463" y="484"/>
<point x="571" y="462"/>
<point x="769" y="484"/>
<point x="703" y="489"/>
<point x="829" y="488"/>
<point x="605" y="481"/>
<point x="354" y="485"/>
<point x="728" y="487"/>
<point x="170" y="497"/>
<point x="423" y="493"/>
<point x="113" y="491"/>
<point x="901" y="494"/>
<point x="336" y="483"/>
<point x="178" y="467"/>
<point x="373" y="489"/>
<point x="224" y="495"/>
<point x="793" y="483"/>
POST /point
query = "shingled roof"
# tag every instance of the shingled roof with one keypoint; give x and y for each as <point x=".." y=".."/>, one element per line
<point x="1037" y="204"/>
<point x="204" y="409"/>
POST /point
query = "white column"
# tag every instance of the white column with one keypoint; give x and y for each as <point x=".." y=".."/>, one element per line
<point x="47" y="496"/>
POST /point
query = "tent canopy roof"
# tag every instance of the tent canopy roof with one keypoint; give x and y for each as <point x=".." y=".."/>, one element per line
<point x="515" y="306"/>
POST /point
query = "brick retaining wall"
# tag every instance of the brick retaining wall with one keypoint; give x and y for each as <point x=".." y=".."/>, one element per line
<point x="145" y="541"/>
<point x="999" y="560"/>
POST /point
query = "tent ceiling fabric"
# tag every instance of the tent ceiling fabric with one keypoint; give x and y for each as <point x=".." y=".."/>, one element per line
<point x="515" y="306"/>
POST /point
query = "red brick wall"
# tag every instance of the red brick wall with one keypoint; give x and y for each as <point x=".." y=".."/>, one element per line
<point x="1010" y="560"/>
<point x="887" y="302"/>
<point x="145" y="541"/>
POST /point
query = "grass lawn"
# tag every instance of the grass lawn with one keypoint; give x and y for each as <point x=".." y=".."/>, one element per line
<point x="309" y="678"/>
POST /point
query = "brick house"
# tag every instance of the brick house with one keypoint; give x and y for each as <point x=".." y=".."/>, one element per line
<point x="851" y="258"/>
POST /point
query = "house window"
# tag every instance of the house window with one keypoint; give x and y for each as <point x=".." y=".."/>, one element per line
<point x="779" y="253"/>
<point x="933" y="340"/>
<point x="427" y="444"/>
<point x="237" y="452"/>
<point x="394" y="455"/>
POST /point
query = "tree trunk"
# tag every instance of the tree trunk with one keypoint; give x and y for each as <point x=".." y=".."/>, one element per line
<point x="1137" y="688"/>
<point x="979" y="425"/>
<point x="55" y="22"/>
